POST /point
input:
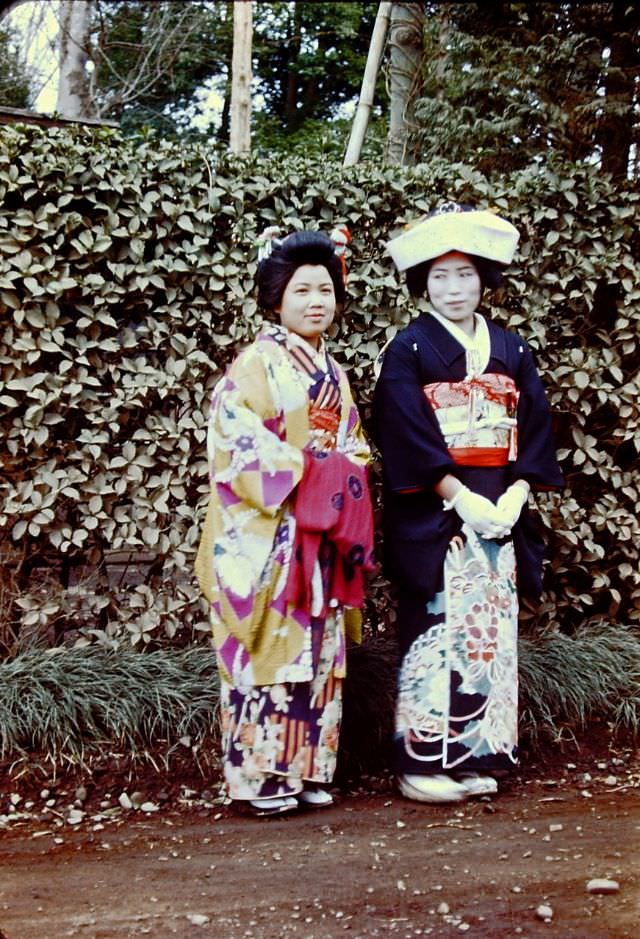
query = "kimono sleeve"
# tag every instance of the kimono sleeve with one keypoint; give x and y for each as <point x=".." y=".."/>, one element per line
<point x="249" y="457"/>
<point x="406" y="431"/>
<point x="536" y="461"/>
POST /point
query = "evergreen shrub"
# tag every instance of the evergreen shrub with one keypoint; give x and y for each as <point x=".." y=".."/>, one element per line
<point x="126" y="286"/>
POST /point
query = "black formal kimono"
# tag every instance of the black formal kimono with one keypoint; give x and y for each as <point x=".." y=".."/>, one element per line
<point x="458" y="592"/>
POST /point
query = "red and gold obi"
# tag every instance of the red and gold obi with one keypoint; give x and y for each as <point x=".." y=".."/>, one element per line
<point x="477" y="418"/>
<point x="324" y="424"/>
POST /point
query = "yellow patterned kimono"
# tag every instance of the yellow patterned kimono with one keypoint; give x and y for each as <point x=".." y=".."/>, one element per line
<point x="281" y="666"/>
<point x="258" y="427"/>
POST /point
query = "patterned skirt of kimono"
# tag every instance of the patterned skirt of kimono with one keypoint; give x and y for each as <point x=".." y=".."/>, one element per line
<point x="275" y="737"/>
<point x="457" y="707"/>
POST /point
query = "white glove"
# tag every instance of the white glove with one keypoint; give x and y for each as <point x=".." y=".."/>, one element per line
<point x="478" y="512"/>
<point x="510" y="505"/>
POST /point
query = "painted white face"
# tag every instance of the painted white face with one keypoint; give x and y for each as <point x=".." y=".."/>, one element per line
<point x="454" y="288"/>
<point x="308" y="303"/>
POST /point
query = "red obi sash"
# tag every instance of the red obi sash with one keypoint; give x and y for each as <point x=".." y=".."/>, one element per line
<point x="477" y="418"/>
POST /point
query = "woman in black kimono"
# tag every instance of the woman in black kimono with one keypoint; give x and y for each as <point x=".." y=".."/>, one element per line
<point x="464" y="431"/>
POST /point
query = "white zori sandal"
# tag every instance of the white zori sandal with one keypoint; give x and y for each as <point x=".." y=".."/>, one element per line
<point x="477" y="784"/>
<point x="275" y="805"/>
<point x="313" y="797"/>
<point x="435" y="788"/>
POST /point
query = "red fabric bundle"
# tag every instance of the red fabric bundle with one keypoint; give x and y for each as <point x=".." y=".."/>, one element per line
<point x="332" y="500"/>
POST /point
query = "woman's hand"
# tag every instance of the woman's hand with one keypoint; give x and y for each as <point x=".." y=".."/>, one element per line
<point x="511" y="503"/>
<point x="478" y="512"/>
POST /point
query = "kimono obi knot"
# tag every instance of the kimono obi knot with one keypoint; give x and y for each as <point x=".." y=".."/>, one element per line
<point x="477" y="418"/>
<point x="323" y="424"/>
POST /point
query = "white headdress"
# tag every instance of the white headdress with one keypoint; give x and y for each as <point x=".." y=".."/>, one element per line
<point x="455" y="228"/>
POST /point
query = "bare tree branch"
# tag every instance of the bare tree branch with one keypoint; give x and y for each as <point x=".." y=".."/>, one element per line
<point x="168" y="30"/>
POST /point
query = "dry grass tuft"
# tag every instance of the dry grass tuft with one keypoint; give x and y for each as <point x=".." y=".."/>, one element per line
<point x="67" y="703"/>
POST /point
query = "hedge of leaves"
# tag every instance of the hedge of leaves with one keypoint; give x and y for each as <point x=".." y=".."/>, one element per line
<point x="126" y="284"/>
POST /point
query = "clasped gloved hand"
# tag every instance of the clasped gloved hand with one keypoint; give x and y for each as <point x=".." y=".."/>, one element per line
<point x="510" y="505"/>
<point x="478" y="512"/>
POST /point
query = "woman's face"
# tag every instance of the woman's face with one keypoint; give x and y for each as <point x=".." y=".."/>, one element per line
<point x="308" y="303"/>
<point x="454" y="287"/>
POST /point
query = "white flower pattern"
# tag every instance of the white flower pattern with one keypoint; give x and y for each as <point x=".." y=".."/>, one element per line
<point x="459" y="679"/>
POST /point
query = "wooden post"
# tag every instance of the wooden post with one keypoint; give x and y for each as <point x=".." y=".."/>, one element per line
<point x="240" y="132"/>
<point x="365" y="103"/>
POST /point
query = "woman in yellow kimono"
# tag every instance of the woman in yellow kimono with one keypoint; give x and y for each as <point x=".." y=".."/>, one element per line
<point x="287" y="536"/>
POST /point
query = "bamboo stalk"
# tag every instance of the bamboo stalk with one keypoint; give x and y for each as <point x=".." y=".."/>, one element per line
<point x="365" y="102"/>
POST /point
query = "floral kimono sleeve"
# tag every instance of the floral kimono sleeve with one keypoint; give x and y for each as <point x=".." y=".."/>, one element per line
<point x="253" y="470"/>
<point x="250" y="459"/>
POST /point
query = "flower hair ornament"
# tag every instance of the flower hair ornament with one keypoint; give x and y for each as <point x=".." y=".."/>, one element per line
<point x="341" y="238"/>
<point x="450" y="206"/>
<point x="267" y="240"/>
<point x="442" y="209"/>
<point x="272" y="238"/>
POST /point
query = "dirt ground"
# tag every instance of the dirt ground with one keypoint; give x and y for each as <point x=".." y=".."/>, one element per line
<point x="82" y="862"/>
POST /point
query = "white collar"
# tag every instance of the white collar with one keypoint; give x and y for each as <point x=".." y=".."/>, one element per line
<point x="477" y="347"/>
<point x="318" y="355"/>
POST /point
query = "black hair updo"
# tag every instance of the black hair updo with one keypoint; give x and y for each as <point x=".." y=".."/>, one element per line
<point x="301" y="247"/>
